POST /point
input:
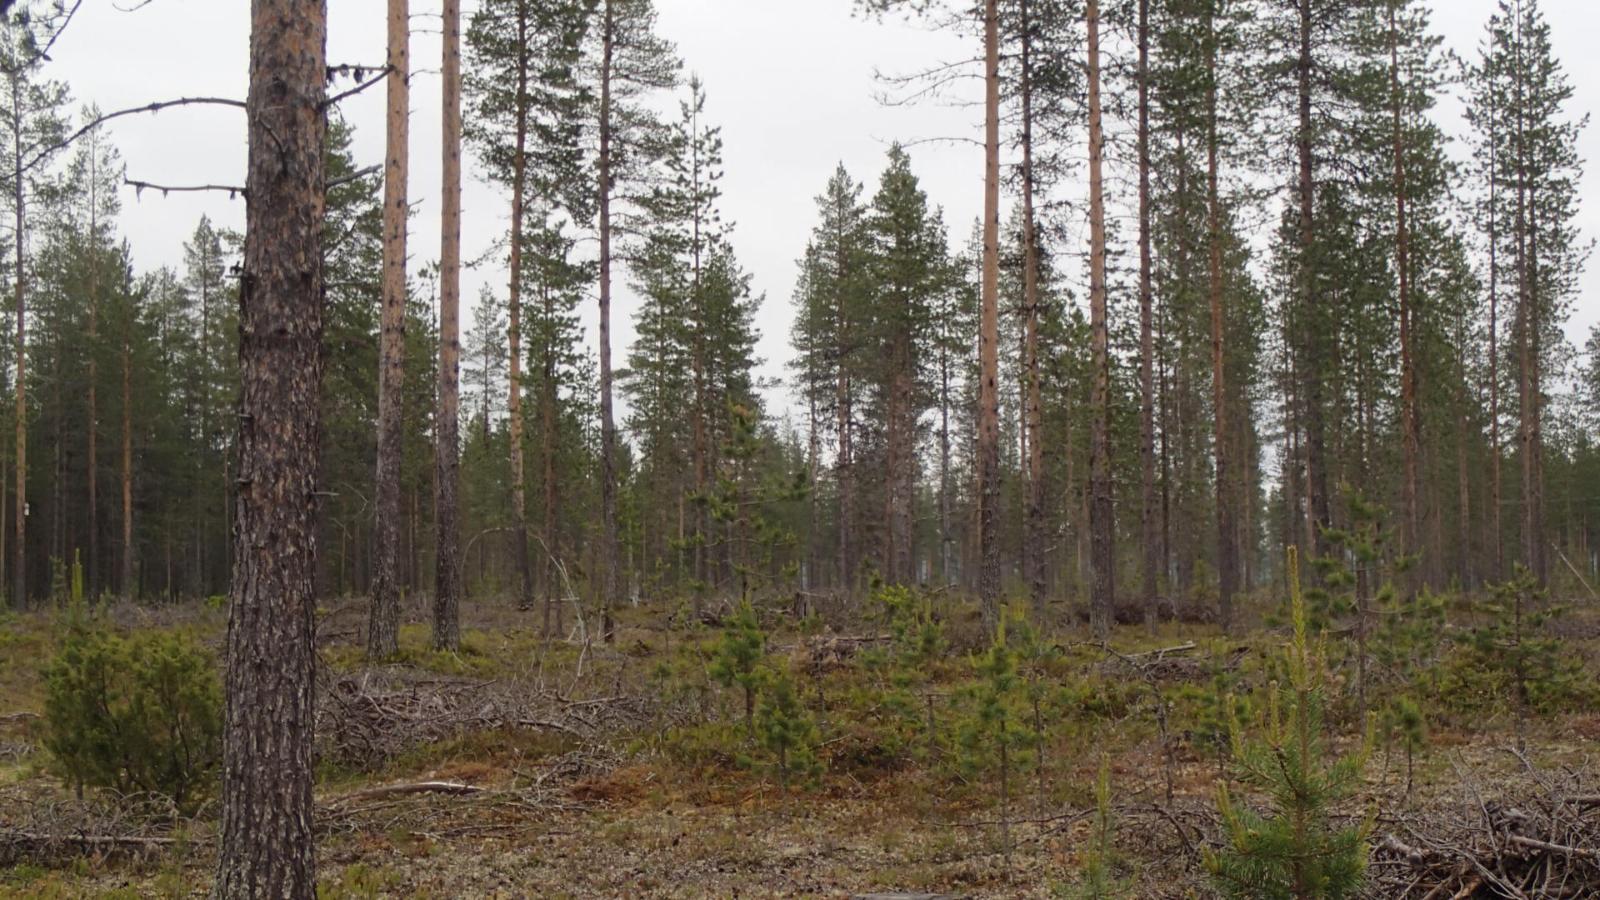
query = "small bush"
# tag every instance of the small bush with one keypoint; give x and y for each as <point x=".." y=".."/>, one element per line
<point x="136" y="714"/>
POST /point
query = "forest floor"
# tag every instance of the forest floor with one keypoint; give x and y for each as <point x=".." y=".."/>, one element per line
<point x="525" y="768"/>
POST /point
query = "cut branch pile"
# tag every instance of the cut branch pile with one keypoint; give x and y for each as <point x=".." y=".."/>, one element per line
<point x="48" y="829"/>
<point x="365" y="720"/>
<point x="1171" y="664"/>
<point x="1540" y="838"/>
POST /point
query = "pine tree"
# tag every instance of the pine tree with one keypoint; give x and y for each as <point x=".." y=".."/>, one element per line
<point x="908" y="269"/>
<point x="829" y="336"/>
<point x="627" y="62"/>
<point x="525" y="95"/>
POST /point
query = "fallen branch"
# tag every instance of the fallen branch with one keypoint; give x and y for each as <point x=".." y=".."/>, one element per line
<point x="416" y="787"/>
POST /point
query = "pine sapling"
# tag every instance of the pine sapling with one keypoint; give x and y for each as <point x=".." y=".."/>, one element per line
<point x="1404" y="722"/>
<point x="1298" y="851"/>
<point x="737" y="657"/>
<point x="995" y="735"/>
<point x="785" y="730"/>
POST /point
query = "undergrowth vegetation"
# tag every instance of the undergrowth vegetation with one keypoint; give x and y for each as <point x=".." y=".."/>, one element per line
<point x="1261" y="749"/>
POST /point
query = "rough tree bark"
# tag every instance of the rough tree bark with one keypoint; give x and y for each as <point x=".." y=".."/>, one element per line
<point x="266" y="832"/>
<point x="1102" y="552"/>
<point x="447" y="445"/>
<point x="383" y="629"/>
<point x="989" y="332"/>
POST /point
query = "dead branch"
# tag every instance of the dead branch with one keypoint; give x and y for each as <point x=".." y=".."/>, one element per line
<point x="343" y="95"/>
<point x="415" y="787"/>
<point x="139" y="187"/>
<point x="99" y="120"/>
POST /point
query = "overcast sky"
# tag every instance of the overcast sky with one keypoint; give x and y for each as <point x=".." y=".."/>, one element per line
<point x="790" y="82"/>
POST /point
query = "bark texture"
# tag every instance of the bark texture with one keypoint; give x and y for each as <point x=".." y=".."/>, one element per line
<point x="267" y="832"/>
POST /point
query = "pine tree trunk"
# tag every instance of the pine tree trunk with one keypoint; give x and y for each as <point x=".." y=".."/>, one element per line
<point x="1312" y="368"/>
<point x="1147" y="449"/>
<point x="1227" y="549"/>
<point x="1102" y="553"/>
<point x="19" y="566"/>
<point x="1497" y="533"/>
<point x="447" y="444"/>
<point x="519" y="179"/>
<point x="92" y="425"/>
<point x="1410" y="437"/>
<point x="1033" y="406"/>
<point x="945" y="536"/>
<point x="547" y="418"/>
<point x="128" y="553"/>
<point x="1525" y="324"/>
<point x="989" y="333"/>
<point x="844" y="470"/>
<point x="609" y="549"/>
<point x="384" y="628"/>
<point x="267" y="832"/>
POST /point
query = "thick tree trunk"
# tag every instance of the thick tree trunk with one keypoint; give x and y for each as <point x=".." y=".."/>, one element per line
<point x="989" y="332"/>
<point x="1102" y="553"/>
<point x="1227" y="549"/>
<point x="1147" y="429"/>
<point x="447" y="444"/>
<point x="610" y="581"/>
<point x="267" y="832"/>
<point x="384" y="628"/>
<point x="1033" y="544"/>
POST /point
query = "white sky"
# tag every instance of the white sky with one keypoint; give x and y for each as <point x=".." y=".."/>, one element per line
<point x="790" y="81"/>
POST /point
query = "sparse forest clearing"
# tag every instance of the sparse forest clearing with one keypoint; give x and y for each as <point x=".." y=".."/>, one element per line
<point x="519" y="769"/>
<point x="667" y="474"/>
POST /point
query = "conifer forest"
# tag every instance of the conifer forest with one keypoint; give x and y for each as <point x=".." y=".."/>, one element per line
<point x="1005" y="449"/>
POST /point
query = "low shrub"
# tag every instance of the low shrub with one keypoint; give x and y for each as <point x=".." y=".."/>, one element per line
<point x="134" y="714"/>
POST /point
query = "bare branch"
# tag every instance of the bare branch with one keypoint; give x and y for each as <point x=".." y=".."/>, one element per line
<point x="357" y="175"/>
<point x="382" y="74"/>
<point x="147" y="108"/>
<point x="140" y="187"/>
